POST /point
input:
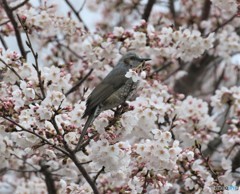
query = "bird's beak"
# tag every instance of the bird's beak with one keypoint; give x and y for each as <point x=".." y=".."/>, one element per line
<point x="145" y="59"/>
<point x="141" y="65"/>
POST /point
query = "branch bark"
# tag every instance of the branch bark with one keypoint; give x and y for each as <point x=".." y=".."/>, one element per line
<point x="48" y="179"/>
<point x="206" y="9"/>
<point x="3" y="42"/>
<point x="9" y="12"/>
<point x="148" y="9"/>
<point x="79" y="83"/>
<point x="173" y="11"/>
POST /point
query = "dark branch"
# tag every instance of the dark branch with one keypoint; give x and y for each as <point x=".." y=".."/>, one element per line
<point x="206" y="9"/>
<point x="76" y="13"/>
<point x="19" y="5"/>
<point x="35" y="134"/>
<point x="69" y="49"/>
<point x="51" y="188"/>
<point x="172" y="11"/>
<point x="3" y="42"/>
<point x="81" y="8"/>
<point x="3" y="23"/>
<point x="12" y="69"/>
<point x="9" y="12"/>
<point x="148" y="9"/>
<point x="84" y="172"/>
<point x="99" y="172"/>
<point x="222" y="25"/>
<point x="79" y="83"/>
<point x="73" y="156"/>
<point x="35" y="55"/>
<point x="145" y="184"/>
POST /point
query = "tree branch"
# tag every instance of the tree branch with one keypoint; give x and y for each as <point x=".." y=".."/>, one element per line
<point x="35" y="134"/>
<point x="9" y="12"/>
<point x="19" y="5"/>
<point x="84" y="172"/>
<point x="51" y="188"/>
<point x="76" y="13"/>
<point x="12" y="69"/>
<point x="79" y="83"/>
<point x="72" y="156"/>
<point x="173" y="11"/>
<point x="206" y="10"/>
<point x="99" y="172"/>
<point x="222" y="25"/>
<point x="35" y="55"/>
<point x="148" y="9"/>
<point x="3" y="42"/>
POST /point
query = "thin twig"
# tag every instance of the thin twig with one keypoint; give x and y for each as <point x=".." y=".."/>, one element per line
<point x="25" y="161"/>
<point x="161" y="68"/>
<point x="35" y="134"/>
<point x="35" y="55"/>
<point x="145" y="182"/>
<point x="85" y="143"/>
<point x="69" y="49"/>
<point x="208" y="166"/>
<point x="81" y="8"/>
<point x="4" y="23"/>
<point x="72" y="155"/>
<point x="12" y="69"/>
<point x="20" y="170"/>
<point x="79" y="83"/>
<point x="3" y="42"/>
<point x="222" y="25"/>
<point x="99" y="172"/>
<point x="76" y="13"/>
<point x="19" y="5"/>
<point x="173" y="11"/>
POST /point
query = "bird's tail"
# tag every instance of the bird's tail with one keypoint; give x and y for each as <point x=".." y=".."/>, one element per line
<point x="89" y="121"/>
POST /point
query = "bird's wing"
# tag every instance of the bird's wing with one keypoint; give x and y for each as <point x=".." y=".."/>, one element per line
<point x="114" y="80"/>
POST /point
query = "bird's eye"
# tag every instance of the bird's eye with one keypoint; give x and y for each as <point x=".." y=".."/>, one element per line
<point x="133" y="58"/>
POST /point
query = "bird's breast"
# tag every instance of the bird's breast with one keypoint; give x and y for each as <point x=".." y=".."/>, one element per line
<point x="121" y="95"/>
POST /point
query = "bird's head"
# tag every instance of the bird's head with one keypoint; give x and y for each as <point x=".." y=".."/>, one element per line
<point x="132" y="60"/>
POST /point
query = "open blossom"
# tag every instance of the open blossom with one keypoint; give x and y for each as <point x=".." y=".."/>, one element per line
<point x="139" y="39"/>
<point x="183" y="43"/>
<point x="194" y="122"/>
<point x="113" y="157"/>
<point x="158" y="151"/>
<point x="54" y="24"/>
<point x="132" y="74"/>
<point x="10" y="57"/>
<point x="225" y="97"/>
<point x="118" y="31"/>
<point x="229" y="42"/>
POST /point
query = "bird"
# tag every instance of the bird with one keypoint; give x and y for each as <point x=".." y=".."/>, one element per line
<point x="113" y="90"/>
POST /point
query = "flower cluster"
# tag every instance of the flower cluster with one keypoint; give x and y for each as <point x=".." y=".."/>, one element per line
<point x="52" y="24"/>
<point x="228" y="6"/>
<point x="194" y="122"/>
